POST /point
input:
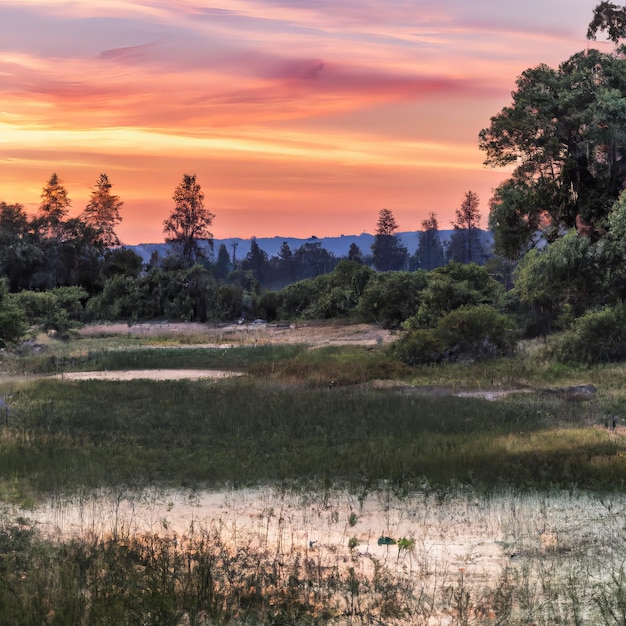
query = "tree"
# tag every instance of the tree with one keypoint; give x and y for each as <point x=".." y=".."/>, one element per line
<point x="464" y="244"/>
<point x="311" y="259"/>
<point x="14" y="244"/>
<point x="452" y="286"/>
<point x="189" y="221"/>
<point x="223" y="265"/>
<point x="391" y="298"/>
<point x="12" y="325"/>
<point x="561" y="277"/>
<point x="430" y="251"/>
<point x="286" y="268"/>
<point x="610" y="18"/>
<point x="388" y="252"/>
<point x="54" y="207"/>
<point x="102" y="213"/>
<point x="512" y="219"/>
<point x="565" y="135"/>
<point x="256" y="261"/>
<point x="354" y="253"/>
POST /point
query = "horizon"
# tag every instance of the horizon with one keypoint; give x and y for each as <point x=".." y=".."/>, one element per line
<point x="295" y="118"/>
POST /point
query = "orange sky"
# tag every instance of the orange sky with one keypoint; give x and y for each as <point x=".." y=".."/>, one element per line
<point x="298" y="117"/>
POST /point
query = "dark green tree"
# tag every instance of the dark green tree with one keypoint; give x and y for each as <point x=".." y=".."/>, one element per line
<point x="19" y="256"/>
<point x="513" y="219"/>
<point x="558" y="279"/>
<point x="311" y="260"/>
<point x="12" y="325"/>
<point x="430" y="252"/>
<point x="610" y="18"/>
<point x="286" y="263"/>
<point x="565" y="136"/>
<point x="256" y="261"/>
<point x="452" y="286"/>
<point x="121" y="262"/>
<point x="355" y="254"/>
<point x="387" y="250"/>
<point x="465" y="244"/>
<point x="390" y="298"/>
<point x="189" y="222"/>
<point x="223" y="265"/>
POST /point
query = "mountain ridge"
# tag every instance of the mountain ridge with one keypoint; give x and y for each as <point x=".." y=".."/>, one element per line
<point x="337" y="245"/>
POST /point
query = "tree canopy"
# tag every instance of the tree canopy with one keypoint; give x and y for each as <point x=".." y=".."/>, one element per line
<point x="565" y="135"/>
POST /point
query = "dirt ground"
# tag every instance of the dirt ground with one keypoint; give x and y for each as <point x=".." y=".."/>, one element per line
<point x="311" y="333"/>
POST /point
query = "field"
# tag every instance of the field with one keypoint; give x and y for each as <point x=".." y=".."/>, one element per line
<point x="324" y="483"/>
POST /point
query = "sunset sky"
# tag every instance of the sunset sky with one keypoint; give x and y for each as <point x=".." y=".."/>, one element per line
<point x="298" y="117"/>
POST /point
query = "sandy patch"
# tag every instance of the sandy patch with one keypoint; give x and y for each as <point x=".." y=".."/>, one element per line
<point x="159" y="374"/>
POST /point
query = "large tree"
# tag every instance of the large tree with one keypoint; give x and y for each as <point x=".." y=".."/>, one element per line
<point x="102" y="213"/>
<point x="189" y="222"/>
<point x="387" y="250"/>
<point x="565" y="136"/>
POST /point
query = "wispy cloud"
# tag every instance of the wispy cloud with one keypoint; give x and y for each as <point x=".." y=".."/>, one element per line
<point x="365" y="100"/>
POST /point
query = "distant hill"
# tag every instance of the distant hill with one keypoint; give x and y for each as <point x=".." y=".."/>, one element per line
<point x="339" y="246"/>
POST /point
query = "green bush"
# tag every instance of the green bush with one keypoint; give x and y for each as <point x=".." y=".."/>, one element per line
<point x="467" y="333"/>
<point x="453" y="286"/>
<point x="596" y="337"/>
<point x="12" y="325"/>
<point x="392" y="297"/>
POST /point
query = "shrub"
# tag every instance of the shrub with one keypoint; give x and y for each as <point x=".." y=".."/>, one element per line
<point x="12" y="325"/>
<point x="390" y="298"/>
<point x="596" y="337"/>
<point x="468" y="333"/>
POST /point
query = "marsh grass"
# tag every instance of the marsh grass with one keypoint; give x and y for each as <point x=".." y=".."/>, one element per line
<point x="253" y="430"/>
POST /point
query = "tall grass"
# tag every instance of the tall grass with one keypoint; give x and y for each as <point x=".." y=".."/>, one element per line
<point x="568" y="573"/>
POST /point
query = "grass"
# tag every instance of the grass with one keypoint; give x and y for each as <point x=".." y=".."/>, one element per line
<point x="64" y="435"/>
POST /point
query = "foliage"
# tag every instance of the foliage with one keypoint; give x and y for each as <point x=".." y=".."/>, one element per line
<point x="121" y="262"/>
<point x="189" y="221"/>
<point x="256" y="261"/>
<point x="564" y="134"/>
<point x="58" y="309"/>
<point x="12" y="325"/>
<point x="391" y="298"/>
<point x="561" y="275"/>
<point x="450" y="287"/>
<point x="102" y="213"/>
<point x="466" y="333"/>
<point x="387" y="251"/>
<point x="54" y="206"/>
<point x="465" y="244"/>
<point x="608" y="17"/>
<point x="430" y="253"/>
<point x="598" y="336"/>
